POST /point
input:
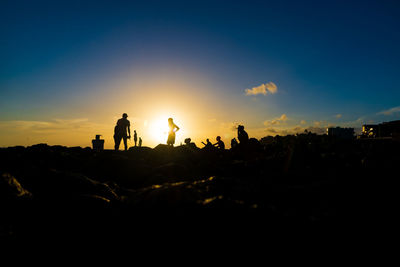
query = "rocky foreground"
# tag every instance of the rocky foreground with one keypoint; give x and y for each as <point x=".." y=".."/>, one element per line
<point x="286" y="181"/>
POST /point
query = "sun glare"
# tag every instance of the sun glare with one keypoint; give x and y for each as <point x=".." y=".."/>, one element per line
<point x="158" y="130"/>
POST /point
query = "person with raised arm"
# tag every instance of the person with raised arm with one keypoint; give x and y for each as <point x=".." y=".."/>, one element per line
<point x="173" y="128"/>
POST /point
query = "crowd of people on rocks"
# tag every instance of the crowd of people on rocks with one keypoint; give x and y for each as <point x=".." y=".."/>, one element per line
<point x="306" y="149"/>
<point x="302" y="178"/>
<point x="122" y="132"/>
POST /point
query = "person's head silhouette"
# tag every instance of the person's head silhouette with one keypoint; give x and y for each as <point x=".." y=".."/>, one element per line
<point x="124" y="115"/>
<point x="218" y="138"/>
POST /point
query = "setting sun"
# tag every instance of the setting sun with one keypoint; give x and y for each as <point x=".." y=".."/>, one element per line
<point x="158" y="129"/>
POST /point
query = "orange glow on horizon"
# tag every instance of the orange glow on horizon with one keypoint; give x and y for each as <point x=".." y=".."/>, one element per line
<point x="148" y="98"/>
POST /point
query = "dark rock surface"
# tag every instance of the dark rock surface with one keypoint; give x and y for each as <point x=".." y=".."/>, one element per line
<point x="304" y="180"/>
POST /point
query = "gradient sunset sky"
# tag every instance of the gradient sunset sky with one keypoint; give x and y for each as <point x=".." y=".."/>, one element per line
<point x="69" y="69"/>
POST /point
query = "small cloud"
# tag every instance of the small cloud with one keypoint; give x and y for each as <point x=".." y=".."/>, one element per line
<point x="320" y="123"/>
<point x="263" y="89"/>
<point x="276" y="121"/>
<point x="271" y="131"/>
<point x="303" y="122"/>
<point x="389" y="112"/>
<point x="338" y="116"/>
<point x="283" y="117"/>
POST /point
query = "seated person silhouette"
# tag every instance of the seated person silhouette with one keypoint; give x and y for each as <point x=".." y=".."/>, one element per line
<point x="173" y="128"/>
<point x="208" y="144"/>
<point x="234" y="143"/>
<point x="242" y="135"/>
<point x="219" y="144"/>
<point x="120" y="131"/>
<point x="189" y="143"/>
<point x="140" y="141"/>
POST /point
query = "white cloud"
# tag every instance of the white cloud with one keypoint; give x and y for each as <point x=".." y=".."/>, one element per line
<point x="338" y="116"/>
<point x="276" y="121"/>
<point x="389" y="112"/>
<point x="263" y="89"/>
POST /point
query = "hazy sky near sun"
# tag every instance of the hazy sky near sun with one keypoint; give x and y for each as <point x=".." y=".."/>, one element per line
<point x="69" y="69"/>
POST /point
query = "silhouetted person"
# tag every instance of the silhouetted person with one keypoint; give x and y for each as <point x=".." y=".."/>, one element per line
<point x="190" y="144"/>
<point x="122" y="131"/>
<point x="187" y="141"/>
<point x="135" y="136"/>
<point x="219" y="144"/>
<point x="173" y="128"/>
<point x="234" y="143"/>
<point x="140" y="141"/>
<point x="208" y="144"/>
<point x="242" y="135"/>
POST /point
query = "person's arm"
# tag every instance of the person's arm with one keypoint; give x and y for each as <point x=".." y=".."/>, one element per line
<point x="129" y="131"/>
<point x="177" y="128"/>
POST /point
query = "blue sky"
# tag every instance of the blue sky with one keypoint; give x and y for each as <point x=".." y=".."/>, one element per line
<point x="334" y="62"/>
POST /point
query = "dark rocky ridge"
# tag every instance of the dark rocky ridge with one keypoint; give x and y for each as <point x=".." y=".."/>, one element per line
<point x="306" y="180"/>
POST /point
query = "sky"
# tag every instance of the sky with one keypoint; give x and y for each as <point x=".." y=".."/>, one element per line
<point x="69" y="69"/>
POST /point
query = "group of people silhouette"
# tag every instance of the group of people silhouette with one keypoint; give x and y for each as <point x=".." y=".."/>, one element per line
<point x="219" y="144"/>
<point x="122" y="131"/>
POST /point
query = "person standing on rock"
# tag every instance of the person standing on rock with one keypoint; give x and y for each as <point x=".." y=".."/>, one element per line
<point x="242" y="135"/>
<point x="122" y="131"/>
<point x="173" y="128"/>
<point x="135" y="137"/>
